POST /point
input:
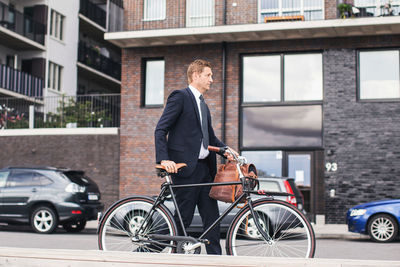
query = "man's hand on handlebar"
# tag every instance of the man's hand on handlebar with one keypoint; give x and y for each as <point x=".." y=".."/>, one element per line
<point x="169" y="165"/>
<point x="228" y="154"/>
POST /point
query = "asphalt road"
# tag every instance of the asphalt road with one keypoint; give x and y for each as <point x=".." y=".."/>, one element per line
<point x="362" y="249"/>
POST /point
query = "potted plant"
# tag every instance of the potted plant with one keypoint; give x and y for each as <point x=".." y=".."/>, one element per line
<point x="345" y="10"/>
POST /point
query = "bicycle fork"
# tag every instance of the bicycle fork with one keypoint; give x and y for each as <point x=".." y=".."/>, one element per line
<point x="260" y="229"/>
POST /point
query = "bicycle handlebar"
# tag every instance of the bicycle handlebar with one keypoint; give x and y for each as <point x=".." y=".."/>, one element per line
<point x="220" y="150"/>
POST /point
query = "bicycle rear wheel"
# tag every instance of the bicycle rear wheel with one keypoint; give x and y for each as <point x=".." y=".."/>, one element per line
<point x="118" y="228"/>
<point x="291" y="234"/>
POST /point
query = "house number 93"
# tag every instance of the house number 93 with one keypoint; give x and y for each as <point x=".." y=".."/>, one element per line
<point x="331" y="166"/>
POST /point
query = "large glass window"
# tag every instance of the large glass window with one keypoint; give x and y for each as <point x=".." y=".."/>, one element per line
<point x="379" y="75"/>
<point x="154" y="9"/>
<point x="378" y="7"/>
<point x="310" y="9"/>
<point x="261" y="78"/>
<point x="303" y="77"/>
<point x="282" y="126"/>
<point x="268" y="163"/>
<point x="154" y="83"/>
<point x="200" y="13"/>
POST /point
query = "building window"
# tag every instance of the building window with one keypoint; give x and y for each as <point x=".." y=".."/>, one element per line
<point x="153" y="88"/>
<point x="378" y="7"/>
<point x="281" y="78"/>
<point x="200" y="13"/>
<point x="154" y="9"/>
<point x="268" y="163"/>
<point x="281" y="126"/>
<point x="310" y="9"/>
<point x="54" y="76"/>
<point x="56" y="25"/>
<point x="379" y="75"/>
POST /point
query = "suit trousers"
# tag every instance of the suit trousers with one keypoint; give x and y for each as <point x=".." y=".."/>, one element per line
<point x="187" y="199"/>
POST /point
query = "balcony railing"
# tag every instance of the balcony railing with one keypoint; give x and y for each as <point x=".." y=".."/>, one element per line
<point x="21" y="24"/>
<point x="20" y="82"/>
<point x="93" y="58"/>
<point x="61" y="112"/>
<point x="93" y="12"/>
<point x="195" y="13"/>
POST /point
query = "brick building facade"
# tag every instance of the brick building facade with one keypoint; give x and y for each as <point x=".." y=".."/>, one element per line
<point x="350" y="146"/>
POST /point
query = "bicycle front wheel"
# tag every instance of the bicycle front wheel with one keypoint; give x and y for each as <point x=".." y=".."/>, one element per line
<point x="289" y="232"/>
<point x="119" y="227"/>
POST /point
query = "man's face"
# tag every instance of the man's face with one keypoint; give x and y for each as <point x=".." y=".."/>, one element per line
<point x="202" y="81"/>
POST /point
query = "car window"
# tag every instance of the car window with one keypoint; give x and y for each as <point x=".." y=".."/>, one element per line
<point x="20" y="178"/>
<point x="3" y="178"/>
<point x="78" y="177"/>
<point x="271" y="186"/>
<point x="45" y="180"/>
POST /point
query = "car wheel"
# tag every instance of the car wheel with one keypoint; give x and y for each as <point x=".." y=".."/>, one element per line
<point x="382" y="228"/>
<point x="75" y="226"/>
<point x="251" y="231"/>
<point x="44" y="220"/>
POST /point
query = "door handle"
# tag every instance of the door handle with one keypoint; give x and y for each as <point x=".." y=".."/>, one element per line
<point x="34" y="190"/>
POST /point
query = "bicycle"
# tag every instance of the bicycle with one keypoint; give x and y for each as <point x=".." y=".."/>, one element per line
<point x="144" y="224"/>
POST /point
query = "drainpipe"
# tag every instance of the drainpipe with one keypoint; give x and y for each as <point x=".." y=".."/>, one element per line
<point x="223" y="114"/>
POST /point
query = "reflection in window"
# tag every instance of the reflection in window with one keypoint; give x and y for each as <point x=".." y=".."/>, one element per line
<point x="300" y="168"/>
<point x="154" y="82"/>
<point x="282" y="126"/>
<point x="268" y="163"/>
<point x="154" y="9"/>
<point x="261" y="78"/>
<point x="379" y="75"/>
<point x="3" y="178"/>
<point x="303" y="77"/>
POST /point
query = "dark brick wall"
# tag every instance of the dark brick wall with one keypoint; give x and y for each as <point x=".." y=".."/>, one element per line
<point x="363" y="136"/>
<point x="97" y="155"/>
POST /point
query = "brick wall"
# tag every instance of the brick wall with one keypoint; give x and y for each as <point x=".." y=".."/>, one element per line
<point x="97" y="155"/>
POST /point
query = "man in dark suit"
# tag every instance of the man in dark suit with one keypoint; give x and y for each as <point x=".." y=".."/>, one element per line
<point x="182" y="135"/>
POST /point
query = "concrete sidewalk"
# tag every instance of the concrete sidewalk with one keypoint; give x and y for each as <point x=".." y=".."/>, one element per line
<point x="12" y="257"/>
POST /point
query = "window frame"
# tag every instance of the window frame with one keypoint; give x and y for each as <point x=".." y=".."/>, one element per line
<point x="209" y="17"/>
<point x="358" y="81"/>
<point x="143" y="83"/>
<point x="56" y="25"/>
<point x="243" y="105"/>
<point x="280" y="10"/>
<point x="145" y="18"/>
<point x="55" y="74"/>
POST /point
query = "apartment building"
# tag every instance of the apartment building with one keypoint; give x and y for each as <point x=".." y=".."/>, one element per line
<point x="53" y="48"/>
<point x="307" y="89"/>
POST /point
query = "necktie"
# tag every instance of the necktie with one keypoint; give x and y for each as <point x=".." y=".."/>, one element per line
<point x="204" y="122"/>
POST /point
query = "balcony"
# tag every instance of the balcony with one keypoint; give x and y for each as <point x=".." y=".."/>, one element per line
<point x="88" y="111"/>
<point x="93" y="12"/>
<point x="92" y="57"/>
<point x="262" y="20"/>
<point x="14" y="21"/>
<point x="14" y="82"/>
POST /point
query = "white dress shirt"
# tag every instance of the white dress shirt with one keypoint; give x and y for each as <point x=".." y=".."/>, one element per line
<point x="203" y="152"/>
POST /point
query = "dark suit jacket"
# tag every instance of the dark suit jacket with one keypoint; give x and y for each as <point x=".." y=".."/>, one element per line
<point x="180" y="121"/>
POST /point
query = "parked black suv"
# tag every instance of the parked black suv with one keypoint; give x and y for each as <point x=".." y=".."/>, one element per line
<point x="46" y="197"/>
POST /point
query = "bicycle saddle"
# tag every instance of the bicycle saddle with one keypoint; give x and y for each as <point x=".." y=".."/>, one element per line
<point x="178" y="166"/>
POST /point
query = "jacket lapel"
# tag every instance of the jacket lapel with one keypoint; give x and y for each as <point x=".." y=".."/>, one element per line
<point x="196" y="109"/>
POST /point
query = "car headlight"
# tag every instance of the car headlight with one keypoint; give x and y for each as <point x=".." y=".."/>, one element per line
<point x="358" y="212"/>
<point x="74" y="188"/>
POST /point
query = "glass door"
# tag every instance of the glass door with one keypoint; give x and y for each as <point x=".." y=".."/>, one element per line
<point x="299" y="167"/>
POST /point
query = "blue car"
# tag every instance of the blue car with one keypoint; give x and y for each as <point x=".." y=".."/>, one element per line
<point x="379" y="219"/>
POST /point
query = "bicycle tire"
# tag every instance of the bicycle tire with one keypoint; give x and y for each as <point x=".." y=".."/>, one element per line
<point x="290" y="231"/>
<point x="120" y="222"/>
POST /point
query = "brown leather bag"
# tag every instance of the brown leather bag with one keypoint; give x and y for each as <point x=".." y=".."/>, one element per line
<point x="229" y="173"/>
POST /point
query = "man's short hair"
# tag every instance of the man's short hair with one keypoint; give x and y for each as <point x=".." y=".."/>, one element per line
<point x="197" y="66"/>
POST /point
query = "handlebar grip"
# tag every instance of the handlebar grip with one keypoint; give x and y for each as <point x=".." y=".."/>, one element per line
<point x="217" y="149"/>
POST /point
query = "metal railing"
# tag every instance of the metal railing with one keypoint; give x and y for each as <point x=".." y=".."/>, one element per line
<point x="93" y="12"/>
<point x="61" y="112"/>
<point x="20" y="82"/>
<point x="92" y="58"/>
<point x="21" y="24"/>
